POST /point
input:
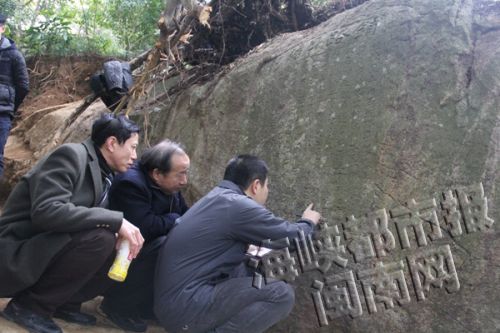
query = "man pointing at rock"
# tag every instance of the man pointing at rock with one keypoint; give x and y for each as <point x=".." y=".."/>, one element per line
<point x="202" y="284"/>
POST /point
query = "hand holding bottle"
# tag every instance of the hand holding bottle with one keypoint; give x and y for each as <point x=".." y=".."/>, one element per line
<point x="131" y="233"/>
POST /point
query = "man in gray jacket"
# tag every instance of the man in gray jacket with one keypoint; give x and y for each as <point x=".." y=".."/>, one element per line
<point x="57" y="238"/>
<point x="201" y="282"/>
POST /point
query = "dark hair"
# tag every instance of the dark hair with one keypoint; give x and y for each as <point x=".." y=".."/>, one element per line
<point x="3" y="19"/>
<point x="108" y="125"/>
<point x="244" y="169"/>
<point x="160" y="155"/>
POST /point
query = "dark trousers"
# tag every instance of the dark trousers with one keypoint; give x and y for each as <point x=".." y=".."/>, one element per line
<point x="134" y="296"/>
<point x="237" y="306"/>
<point x="78" y="273"/>
<point x="5" y="124"/>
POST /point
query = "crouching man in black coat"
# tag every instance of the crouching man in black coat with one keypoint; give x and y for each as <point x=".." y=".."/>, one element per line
<point x="148" y="195"/>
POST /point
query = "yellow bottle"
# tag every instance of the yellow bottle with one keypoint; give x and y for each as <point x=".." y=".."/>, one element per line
<point x="118" y="270"/>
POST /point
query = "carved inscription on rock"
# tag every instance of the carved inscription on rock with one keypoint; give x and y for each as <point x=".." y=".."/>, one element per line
<point x="355" y="260"/>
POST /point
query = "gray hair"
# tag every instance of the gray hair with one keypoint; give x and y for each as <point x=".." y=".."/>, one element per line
<point x="160" y="155"/>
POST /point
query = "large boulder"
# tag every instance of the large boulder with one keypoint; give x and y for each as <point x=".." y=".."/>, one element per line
<point x="387" y="117"/>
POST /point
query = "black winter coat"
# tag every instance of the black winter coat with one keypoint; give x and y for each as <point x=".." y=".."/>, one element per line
<point x="14" y="81"/>
<point x="144" y="204"/>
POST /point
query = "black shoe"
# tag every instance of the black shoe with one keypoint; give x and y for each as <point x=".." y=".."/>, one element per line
<point x="75" y="317"/>
<point x="34" y="322"/>
<point x="125" y="322"/>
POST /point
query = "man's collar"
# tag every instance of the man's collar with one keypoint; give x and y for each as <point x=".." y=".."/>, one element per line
<point x="149" y="180"/>
<point x="4" y="43"/>
<point x="89" y="145"/>
<point x="96" y="154"/>
<point x="105" y="169"/>
<point x="231" y="186"/>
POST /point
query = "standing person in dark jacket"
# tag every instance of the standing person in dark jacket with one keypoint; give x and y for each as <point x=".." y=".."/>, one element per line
<point x="201" y="284"/>
<point x="14" y="85"/>
<point x="148" y="195"/>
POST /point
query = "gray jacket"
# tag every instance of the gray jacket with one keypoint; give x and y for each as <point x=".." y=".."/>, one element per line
<point x="57" y="197"/>
<point x="208" y="243"/>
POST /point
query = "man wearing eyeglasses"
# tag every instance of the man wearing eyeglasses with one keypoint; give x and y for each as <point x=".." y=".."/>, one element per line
<point x="149" y="196"/>
<point x="57" y="237"/>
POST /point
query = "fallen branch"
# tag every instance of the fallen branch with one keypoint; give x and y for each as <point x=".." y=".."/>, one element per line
<point x="166" y="49"/>
<point x="80" y="109"/>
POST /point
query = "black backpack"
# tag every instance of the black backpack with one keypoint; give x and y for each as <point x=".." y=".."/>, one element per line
<point x="112" y="82"/>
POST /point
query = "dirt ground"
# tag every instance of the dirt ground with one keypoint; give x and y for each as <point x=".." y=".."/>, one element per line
<point x="56" y="81"/>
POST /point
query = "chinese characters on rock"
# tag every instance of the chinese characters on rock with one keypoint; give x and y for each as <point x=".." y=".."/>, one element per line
<point x="371" y="239"/>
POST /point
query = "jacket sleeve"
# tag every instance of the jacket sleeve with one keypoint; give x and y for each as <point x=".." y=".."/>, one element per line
<point x="52" y="189"/>
<point x="133" y="199"/>
<point x="20" y="79"/>
<point x="255" y="224"/>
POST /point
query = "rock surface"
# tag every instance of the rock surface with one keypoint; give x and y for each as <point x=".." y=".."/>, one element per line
<point x="391" y="101"/>
<point x="388" y="102"/>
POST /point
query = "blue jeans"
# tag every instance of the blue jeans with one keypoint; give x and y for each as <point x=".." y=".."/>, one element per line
<point x="5" y="124"/>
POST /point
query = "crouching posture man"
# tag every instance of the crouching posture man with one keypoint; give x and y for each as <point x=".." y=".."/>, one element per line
<point x="57" y="239"/>
<point x="149" y="196"/>
<point x="201" y="283"/>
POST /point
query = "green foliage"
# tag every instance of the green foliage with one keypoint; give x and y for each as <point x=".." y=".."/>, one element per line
<point x="106" y="27"/>
<point x="51" y="36"/>
<point x="122" y="28"/>
<point x="134" y="22"/>
<point x="7" y="7"/>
